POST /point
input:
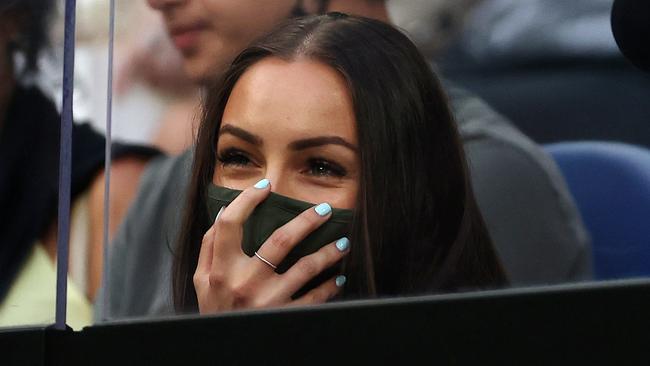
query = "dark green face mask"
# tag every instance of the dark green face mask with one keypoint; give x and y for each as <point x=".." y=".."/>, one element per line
<point x="275" y="211"/>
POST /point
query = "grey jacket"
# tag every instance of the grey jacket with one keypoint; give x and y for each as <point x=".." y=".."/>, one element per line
<point x="532" y="219"/>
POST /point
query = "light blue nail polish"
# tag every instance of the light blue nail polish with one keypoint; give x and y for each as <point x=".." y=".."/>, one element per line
<point x="340" y="281"/>
<point x="262" y="184"/>
<point x="342" y="244"/>
<point x="323" y="209"/>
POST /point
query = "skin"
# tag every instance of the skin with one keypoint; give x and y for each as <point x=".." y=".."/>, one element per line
<point x="286" y="106"/>
<point x="280" y="103"/>
<point x="370" y="9"/>
<point x="209" y="33"/>
<point x="125" y="178"/>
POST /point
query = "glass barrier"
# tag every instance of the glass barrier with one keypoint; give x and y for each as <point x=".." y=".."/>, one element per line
<point x="543" y="225"/>
<point x="522" y="105"/>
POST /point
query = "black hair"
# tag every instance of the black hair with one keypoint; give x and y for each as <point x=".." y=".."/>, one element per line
<point x="33" y="36"/>
<point x="417" y="228"/>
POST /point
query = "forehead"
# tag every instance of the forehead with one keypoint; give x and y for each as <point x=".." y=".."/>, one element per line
<point x="303" y="97"/>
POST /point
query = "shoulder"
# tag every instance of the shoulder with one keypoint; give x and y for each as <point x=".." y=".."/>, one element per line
<point x="138" y="277"/>
<point x="522" y="195"/>
<point x="165" y="176"/>
<point x="159" y="199"/>
<point x="155" y="209"/>
<point x="492" y="141"/>
<point x="171" y="168"/>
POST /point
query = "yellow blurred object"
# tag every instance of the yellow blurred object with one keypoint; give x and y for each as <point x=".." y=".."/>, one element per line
<point x="31" y="299"/>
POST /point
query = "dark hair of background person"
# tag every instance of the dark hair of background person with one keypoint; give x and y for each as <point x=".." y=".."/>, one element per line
<point x="33" y="39"/>
<point x="417" y="227"/>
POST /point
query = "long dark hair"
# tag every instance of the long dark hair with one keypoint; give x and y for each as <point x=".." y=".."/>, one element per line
<point x="417" y="227"/>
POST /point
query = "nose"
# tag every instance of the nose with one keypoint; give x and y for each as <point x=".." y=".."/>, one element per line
<point x="163" y="4"/>
<point x="280" y="181"/>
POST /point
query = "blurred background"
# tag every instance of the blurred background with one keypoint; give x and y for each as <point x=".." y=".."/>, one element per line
<point x="553" y="68"/>
<point x="148" y="79"/>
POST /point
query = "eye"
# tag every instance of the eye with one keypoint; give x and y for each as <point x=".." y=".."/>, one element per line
<point x="325" y="168"/>
<point x="233" y="157"/>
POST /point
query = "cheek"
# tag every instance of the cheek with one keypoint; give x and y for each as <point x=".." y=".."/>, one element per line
<point x="232" y="17"/>
<point x="342" y="196"/>
<point x="348" y="198"/>
<point x="240" y="183"/>
<point x="155" y="4"/>
<point x="195" y="67"/>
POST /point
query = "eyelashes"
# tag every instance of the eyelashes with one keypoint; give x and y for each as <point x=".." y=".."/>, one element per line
<point x="314" y="166"/>
<point x="324" y="168"/>
<point x="233" y="157"/>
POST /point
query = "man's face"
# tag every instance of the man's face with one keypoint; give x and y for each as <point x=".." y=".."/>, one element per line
<point x="210" y="33"/>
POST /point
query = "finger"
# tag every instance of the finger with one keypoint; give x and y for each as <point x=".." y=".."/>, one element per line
<point x="312" y="265"/>
<point x="286" y="237"/>
<point x="241" y="207"/>
<point x="229" y="227"/>
<point x="322" y="293"/>
<point x="205" y="253"/>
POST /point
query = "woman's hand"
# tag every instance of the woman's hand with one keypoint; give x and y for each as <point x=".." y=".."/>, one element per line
<point x="226" y="278"/>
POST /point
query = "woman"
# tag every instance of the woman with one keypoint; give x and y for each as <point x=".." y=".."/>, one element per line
<point x="344" y="111"/>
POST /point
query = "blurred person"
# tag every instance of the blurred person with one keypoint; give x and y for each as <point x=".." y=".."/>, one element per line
<point x="554" y="69"/>
<point x="151" y="58"/>
<point x="530" y="215"/>
<point x="148" y="61"/>
<point x="29" y="153"/>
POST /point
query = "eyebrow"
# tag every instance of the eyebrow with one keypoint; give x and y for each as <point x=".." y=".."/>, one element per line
<point x="295" y="145"/>
<point x="320" y="141"/>
<point x="242" y="134"/>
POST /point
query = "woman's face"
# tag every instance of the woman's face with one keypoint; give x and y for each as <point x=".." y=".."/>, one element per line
<point x="293" y="123"/>
<point x="210" y="33"/>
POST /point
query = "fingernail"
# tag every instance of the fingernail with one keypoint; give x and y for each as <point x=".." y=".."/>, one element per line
<point x="262" y="184"/>
<point x="219" y="213"/>
<point x="340" y="281"/>
<point x="323" y="209"/>
<point x="342" y="244"/>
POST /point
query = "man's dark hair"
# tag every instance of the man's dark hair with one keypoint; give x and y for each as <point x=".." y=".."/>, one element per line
<point x="35" y="19"/>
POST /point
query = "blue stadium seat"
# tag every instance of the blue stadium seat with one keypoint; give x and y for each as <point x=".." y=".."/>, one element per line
<point x="611" y="186"/>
